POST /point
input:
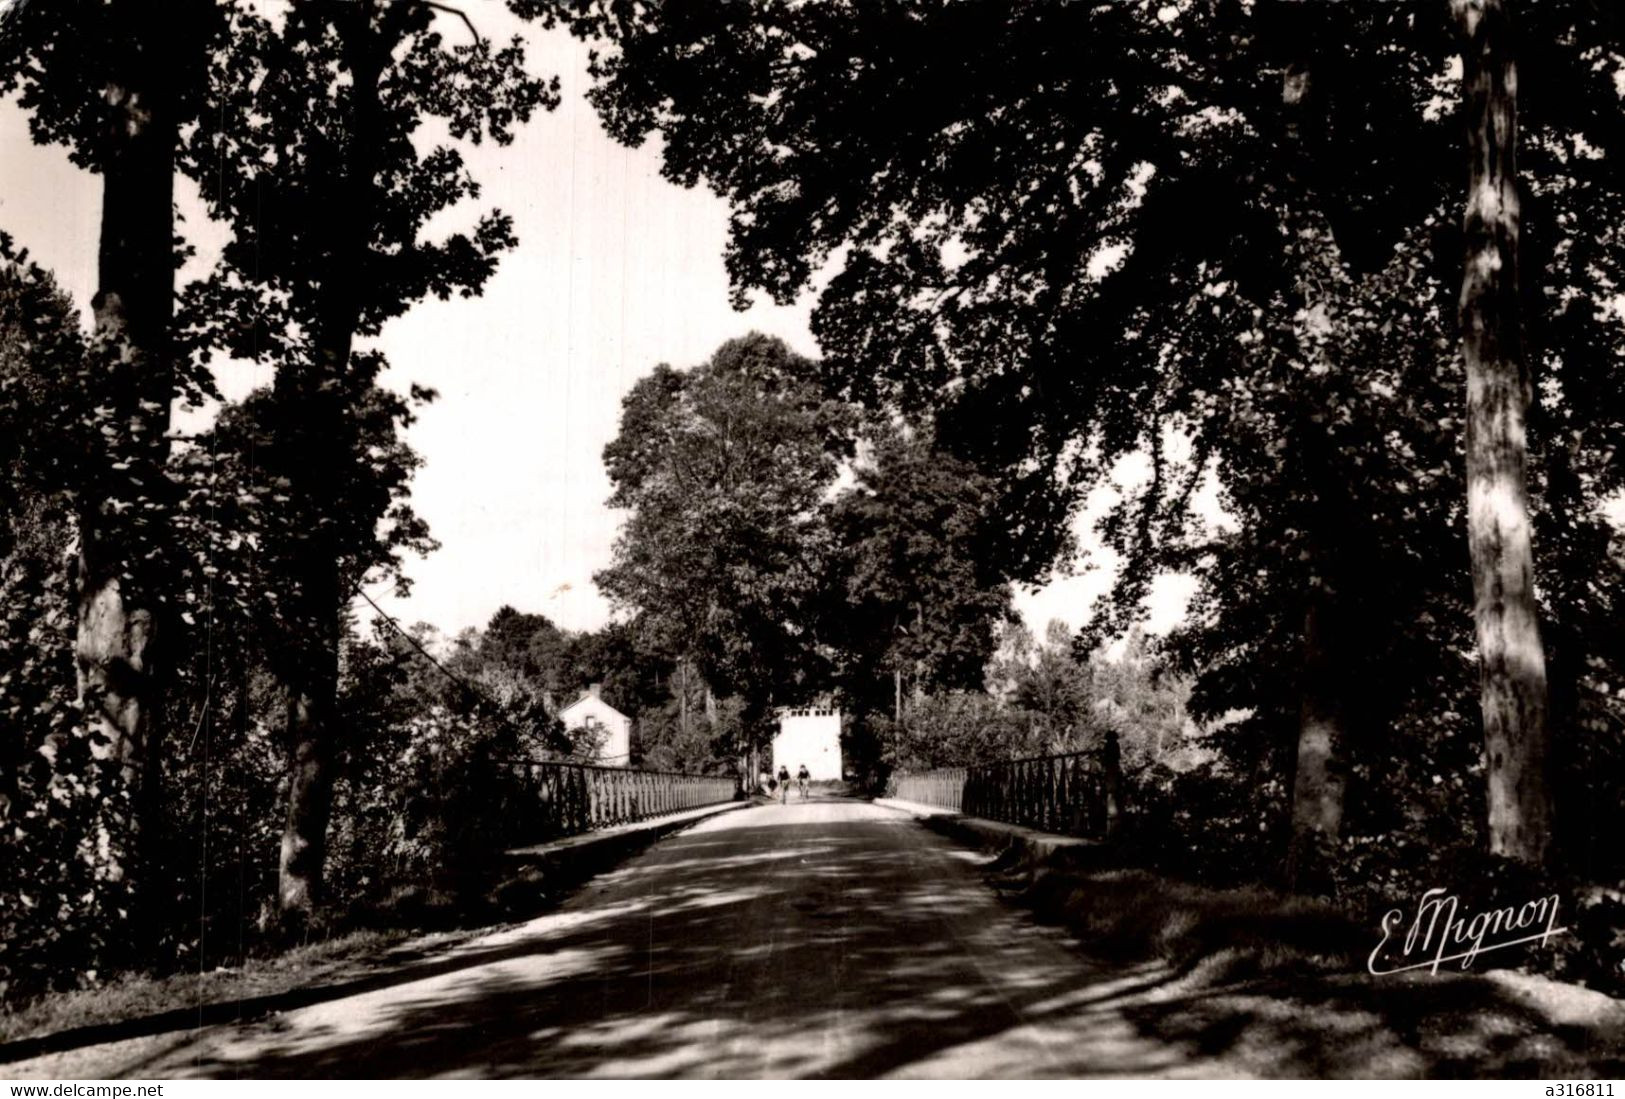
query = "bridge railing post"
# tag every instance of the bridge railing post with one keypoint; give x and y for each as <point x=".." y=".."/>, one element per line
<point x="1111" y="759"/>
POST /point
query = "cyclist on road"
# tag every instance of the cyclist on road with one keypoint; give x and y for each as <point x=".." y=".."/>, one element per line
<point x="784" y="783"/>
<point x="802" y="777"/>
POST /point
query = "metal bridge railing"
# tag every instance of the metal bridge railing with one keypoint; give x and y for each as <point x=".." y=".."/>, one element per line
<point x="567" y="799"/>
<point x="944" y="788"/>
<point x="1076" y="794"/>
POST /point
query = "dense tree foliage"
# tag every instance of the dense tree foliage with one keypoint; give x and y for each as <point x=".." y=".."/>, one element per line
<point x="48" y="781"/>
<point x="311" y="158"/>
<point x="220" y="566"/>
<point x="1263" y="250"/>
<point x="722" y="470"/>
<point x="1041" y="697"/>
<point x="115" y="87"/>
<point x="1060" y="231"/>
<point x="918" y="587"/>
<point x="759" y="578"/>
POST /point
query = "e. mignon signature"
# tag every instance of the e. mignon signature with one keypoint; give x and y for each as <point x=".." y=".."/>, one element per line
<point x="1440" y="932"/>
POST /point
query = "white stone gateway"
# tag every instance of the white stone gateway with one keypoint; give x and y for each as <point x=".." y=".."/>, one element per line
<point x="812" y="737"/>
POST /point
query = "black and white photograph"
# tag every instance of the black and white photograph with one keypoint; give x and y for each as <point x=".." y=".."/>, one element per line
<point x="811" y="539"/>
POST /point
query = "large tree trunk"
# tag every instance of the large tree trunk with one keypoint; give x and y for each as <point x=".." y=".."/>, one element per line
<point x="1512" y="663"/>
<point x="1333" y="613"/>
<point x="313" y="419"/>
<point x="1319" y="781"/>
<point x="315" y="422"/>
<point x="121" y="516"/>
<point x="312" y="698"/>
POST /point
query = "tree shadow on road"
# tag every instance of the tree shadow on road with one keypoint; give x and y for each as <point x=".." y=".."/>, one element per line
<point x="851" y="948"/>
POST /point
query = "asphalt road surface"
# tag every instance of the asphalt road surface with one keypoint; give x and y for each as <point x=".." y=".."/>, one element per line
<point x="840" y="939"/>
<point x="822" y="938"/>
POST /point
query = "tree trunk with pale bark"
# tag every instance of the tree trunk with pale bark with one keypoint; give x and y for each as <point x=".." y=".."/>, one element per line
<point x="312" y="694"/>
<point x="1319" y="782"/>
<point x="120" y="616"/>
<point x="1512" y="661"/>
<point x="1320" y="764"/>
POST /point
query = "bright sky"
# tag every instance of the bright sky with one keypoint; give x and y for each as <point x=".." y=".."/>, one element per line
<point x="616" y="270"/>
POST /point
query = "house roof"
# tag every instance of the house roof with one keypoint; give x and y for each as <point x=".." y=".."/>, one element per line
<point x="588" y="696"/>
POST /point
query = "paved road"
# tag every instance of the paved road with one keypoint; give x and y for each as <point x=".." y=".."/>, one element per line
<point x="826" y="938"/>
<point x="837" y="938"/>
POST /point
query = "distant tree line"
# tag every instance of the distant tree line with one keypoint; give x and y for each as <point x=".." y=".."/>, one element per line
<point x="780" y="547"/>
<point x="785" y="548"/>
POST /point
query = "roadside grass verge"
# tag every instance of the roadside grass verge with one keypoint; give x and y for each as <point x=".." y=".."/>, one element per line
<point x="1282" y="982"/>
<point x="1137" y="914"/>
<point x="133" y="997"/>
<point x="414" y="924"/>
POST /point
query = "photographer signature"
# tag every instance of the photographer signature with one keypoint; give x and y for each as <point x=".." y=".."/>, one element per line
<point x="1440" y="933"/>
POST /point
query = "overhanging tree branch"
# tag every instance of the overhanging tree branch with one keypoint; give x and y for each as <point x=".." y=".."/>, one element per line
<point x="459" y="13"/>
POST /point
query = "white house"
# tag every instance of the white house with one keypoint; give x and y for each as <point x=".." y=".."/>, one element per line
<point x="591" y="712"/>
<point x="812" y="737"/>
